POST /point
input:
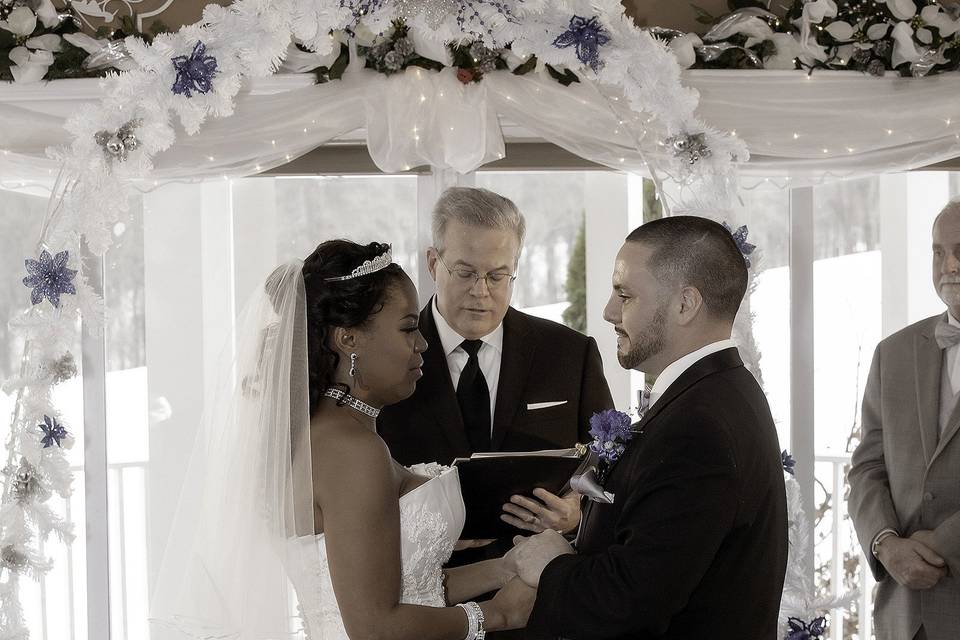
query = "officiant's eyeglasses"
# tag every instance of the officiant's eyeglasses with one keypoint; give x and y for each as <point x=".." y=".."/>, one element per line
<point x="469" y="277"/>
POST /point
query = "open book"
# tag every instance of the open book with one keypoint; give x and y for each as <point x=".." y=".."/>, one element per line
<point x="488" y="479"/>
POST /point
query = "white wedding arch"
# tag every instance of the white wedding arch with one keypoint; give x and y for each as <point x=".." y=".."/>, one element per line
<point x="172" y="117"/>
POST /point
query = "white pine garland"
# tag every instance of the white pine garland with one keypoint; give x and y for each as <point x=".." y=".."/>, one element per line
<point x="249" y="39"/>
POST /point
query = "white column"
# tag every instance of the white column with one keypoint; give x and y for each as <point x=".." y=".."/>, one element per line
<point x="894" y="225"/>
<point x="177" y="346"/>
<point x="927" y="193"/>
<point x="607" y="224"/>
<point x="802" y="351"/>
<point x="252" y="203"/>
<point x="95" y="469"/>
<point x="429" y="188"/>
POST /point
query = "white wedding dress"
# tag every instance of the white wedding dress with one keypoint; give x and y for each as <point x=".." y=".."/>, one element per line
<point x="431" y="519"/>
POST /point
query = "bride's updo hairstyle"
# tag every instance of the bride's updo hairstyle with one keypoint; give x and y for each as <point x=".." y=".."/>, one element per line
<point x="340" y="303"/>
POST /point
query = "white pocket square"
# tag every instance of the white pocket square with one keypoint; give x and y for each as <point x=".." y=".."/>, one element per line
<point x="543" y="405"/>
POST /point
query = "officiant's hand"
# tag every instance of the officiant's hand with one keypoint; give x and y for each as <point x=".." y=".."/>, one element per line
<point x="530" y="556"/>
<point x="549" y="511"/>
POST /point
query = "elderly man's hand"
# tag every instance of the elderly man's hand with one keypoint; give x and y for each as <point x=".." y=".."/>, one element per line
<point x="911" y="562"/>
<point x="548" y="511"/>
<point x="530" y="556"/>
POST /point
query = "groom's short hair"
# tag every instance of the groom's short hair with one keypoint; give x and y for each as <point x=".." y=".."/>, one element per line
<point x="697" y="252"/>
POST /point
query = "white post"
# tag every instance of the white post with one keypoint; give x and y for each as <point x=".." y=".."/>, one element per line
<point x="607" y="224"/>
<point x="894" y="225"/>
<point x="801" y="352"/>
<point x="429" y="188"/>
<point x="94" y="368"/>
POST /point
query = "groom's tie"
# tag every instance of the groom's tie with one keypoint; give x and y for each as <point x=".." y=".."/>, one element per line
<point x="946" y="334"/>
<point x="474" y="398"/>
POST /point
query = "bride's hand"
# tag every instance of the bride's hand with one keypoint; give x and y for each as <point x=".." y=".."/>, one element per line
<point x="471" y="544"/>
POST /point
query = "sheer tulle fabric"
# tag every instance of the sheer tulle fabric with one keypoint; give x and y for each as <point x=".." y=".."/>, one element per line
<point x="846" y="124"/>
<point x="248" y="486"/>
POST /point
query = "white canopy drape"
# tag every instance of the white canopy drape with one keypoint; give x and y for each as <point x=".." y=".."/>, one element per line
<point x="805" y="128"/>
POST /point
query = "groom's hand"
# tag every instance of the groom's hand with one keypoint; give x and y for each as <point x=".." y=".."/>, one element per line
<point x="547" y="512"/>
<point x="530" y="556"/>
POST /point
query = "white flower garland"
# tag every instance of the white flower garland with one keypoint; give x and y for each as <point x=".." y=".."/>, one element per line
<point x="115" y="142"/>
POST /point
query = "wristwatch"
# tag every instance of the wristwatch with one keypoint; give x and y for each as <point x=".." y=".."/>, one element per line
<point x="880" y="537"/>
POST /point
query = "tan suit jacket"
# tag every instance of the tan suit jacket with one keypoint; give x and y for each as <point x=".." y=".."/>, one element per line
<point x="906" y="476"/>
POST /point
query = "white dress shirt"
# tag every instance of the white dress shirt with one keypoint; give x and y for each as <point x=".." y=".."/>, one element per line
<point x="949" y="379"/>
<point x="673" y="371"/>
<point x="488" y="356"/>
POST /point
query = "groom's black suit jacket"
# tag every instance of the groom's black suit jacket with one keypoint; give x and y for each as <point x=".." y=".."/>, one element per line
<point x="542" y="361"/>
<point x="695" y="542"/>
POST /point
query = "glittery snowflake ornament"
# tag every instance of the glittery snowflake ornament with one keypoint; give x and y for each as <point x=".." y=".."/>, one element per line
<point x="49" y="277"/>
<point x="740" y="237"/>
<point x="53" y="432"/>
<point x="800" y="630"/>
<point x="194" y="72"/>
<point x="587" y="35"/>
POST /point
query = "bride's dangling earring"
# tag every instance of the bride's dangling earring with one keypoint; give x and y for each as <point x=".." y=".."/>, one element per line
<point x="353" y="365"/>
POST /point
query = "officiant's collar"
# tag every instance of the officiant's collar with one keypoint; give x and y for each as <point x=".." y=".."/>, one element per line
<point x="676" y="369"/>
<point x="951" y="320"/>
<point x="450" y="339"/>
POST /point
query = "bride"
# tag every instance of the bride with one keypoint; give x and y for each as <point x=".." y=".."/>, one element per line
<point x="289" y="483"/>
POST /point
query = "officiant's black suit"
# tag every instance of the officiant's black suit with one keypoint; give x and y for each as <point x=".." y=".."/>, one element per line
<point x="542" y="361"/>
<point x="695" y="542"/>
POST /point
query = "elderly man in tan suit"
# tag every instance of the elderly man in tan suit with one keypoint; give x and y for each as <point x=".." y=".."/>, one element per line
<point x="905" y="476"/>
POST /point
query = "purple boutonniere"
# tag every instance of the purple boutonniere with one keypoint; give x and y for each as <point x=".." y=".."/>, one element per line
<point x="611" y="431"/>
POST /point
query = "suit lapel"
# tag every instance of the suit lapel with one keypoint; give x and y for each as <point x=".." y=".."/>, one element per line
<point x="713" y="363"/>
<point x="515" y="361"/>
<point x="436" y="389"/>
<point x="953" y="423"/>
<point x="928" y="360"/>
<point x="708" y="365"/>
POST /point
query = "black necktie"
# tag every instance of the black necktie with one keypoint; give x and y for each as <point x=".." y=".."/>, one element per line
<point x="474" y="399"/>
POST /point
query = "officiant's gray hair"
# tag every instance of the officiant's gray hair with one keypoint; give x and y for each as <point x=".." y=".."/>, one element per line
<point x="476" y="207"/>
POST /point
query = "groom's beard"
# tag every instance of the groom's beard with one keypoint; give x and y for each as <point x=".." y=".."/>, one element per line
<point x="646" y="344"/>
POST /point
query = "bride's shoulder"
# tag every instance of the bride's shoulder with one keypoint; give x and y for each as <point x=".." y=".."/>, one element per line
<point x="336" y="447"/>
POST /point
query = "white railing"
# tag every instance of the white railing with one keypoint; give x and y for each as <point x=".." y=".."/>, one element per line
<point x="839" y="543"/>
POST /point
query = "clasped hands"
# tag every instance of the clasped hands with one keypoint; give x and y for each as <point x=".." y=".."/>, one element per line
<point x="526" y="561"/>
<point x="912" y="561"/>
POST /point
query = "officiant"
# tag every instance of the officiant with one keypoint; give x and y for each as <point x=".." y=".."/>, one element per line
<point x="494" y="378"/>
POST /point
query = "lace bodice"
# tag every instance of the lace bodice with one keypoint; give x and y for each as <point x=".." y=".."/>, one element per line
<point x="431" y="519"/>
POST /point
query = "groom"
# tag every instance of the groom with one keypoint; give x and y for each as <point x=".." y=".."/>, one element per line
<point x="694" y="543"/>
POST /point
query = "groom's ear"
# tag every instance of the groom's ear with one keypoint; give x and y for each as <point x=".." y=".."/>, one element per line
<point x="691" y="304"/>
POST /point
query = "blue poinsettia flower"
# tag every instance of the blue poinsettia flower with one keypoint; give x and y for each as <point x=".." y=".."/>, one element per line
<point x="788" y="462"/>
<point x="611" y="431"/>
<point x="740" y="237"/>
<point x="53" y="432"/>
<point x="49" y="277"/>
<point x="800" y="630"/>
<point x="587" y="35"/>
<point x="194" y="72"/>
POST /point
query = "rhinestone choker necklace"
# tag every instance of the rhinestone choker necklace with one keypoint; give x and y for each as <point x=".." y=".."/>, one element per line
<point x="353" y="403"/>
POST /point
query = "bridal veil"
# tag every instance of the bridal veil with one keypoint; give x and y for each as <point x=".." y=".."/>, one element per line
<point x="247" y="493"/>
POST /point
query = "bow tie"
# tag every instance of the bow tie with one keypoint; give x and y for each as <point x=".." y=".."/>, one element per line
<point x="947" y="335"/>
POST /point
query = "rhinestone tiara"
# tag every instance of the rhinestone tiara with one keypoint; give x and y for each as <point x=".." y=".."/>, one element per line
<point x="382" y="261"/>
